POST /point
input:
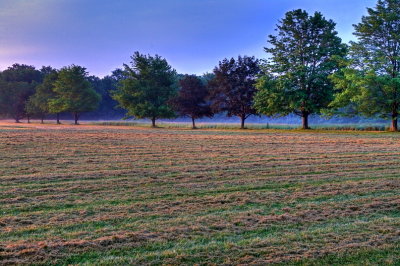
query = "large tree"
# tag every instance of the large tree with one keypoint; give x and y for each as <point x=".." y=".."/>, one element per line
<point x="233" y="87"/>
<point x="192" y="99"/>
<point x="370" y="79"/>
<point x="148" y="86"/>
<point x="302" y="56"/>
<point x="74" y="92"/>
<point x="17" y="84"/>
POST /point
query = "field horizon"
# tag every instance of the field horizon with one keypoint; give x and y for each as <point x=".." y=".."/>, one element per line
<point x="229" y="125"/>
<point x="113" y="194"/>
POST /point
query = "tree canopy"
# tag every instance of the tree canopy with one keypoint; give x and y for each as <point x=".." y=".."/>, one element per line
<point x="370" y="79"/>
<point x="192" y="99"/>
<point x="233" y="87"/>
<point x="74" y="92"/>
<point x="17" y="84"/>
<point x="150" y="82"/>
<point x="302" y="56"/>
<point x="38" y="103"/>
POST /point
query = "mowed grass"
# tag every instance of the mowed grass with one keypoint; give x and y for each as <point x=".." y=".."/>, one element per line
<point x="132" y="195"/>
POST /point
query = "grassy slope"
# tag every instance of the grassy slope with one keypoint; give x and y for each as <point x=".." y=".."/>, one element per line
<point x="95" y="194"/>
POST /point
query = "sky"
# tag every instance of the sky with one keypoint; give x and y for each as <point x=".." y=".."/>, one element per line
<point x="193" y="35"/>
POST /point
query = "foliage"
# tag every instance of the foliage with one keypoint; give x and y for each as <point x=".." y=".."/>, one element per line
<point x="370" y="79"/>
<point x="207" y="77"/>
<point x="304" y="53"/>
<point x="21" y="73"/>
<point x="233" y="87"/>
<point x="105" y="87"/>
<point x="38" y="103"/>
<point x="149" y="84"/>
<point x="17" y="84"/>
<point x="192" y="100"/>
<point x="74" y="92"/>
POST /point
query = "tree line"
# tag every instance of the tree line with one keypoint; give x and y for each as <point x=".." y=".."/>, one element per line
<point x="309" y="71"/>
<point x="26" y="92"/>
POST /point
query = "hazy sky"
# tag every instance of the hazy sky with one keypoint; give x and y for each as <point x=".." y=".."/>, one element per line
<point x="193" y="35"/>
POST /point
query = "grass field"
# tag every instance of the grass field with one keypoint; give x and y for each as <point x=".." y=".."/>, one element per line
<point x="135" y="195"/>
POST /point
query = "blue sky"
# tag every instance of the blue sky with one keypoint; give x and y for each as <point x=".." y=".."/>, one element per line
<point x="193" y="35"/>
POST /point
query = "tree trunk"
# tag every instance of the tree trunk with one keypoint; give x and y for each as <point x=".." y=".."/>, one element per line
<point x="304" y="117"/>
<point x="76" y="117"/>
<point x="242" y="119"/>
<point x="17" y="120"/>
<point x="394" y="127"/>
<point x="42" y="118"/>
<point x="193" y="124"/>
<point x="58" y="119"/>
<point x="29" y="119"/>
<point x="153" y="122"/>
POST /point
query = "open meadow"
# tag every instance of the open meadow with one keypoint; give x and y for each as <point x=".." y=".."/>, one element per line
<point x="136" y="195"/>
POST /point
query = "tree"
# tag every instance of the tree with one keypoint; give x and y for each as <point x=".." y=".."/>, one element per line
<point x="38" y="103"/>
<point x="17" y="84"/>
<point x="14" y="96"/>
<point x="74" y="92"/>
<point x="192" y="99"/>
<point x="303" y="54"/>
<point x="33" y="107"/>
<point x="233" y="87"/>
<point x="149" y="85"/>
<point x="369" y="81"/>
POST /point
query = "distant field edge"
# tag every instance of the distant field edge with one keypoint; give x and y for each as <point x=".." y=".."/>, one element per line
<point x="254" y="126"/>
